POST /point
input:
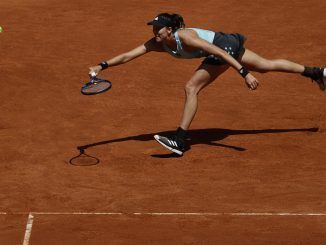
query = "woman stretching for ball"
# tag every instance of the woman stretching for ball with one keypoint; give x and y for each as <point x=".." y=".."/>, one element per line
<point x="219" y="50"/>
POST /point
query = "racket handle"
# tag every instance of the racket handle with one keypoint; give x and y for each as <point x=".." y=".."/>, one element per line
<point x="93" y="74"/>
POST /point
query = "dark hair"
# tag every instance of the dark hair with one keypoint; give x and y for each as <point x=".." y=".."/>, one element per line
<point x="176" y="20"/>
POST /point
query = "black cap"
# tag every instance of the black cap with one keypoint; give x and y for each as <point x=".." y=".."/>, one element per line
<point x="160" y="21"/>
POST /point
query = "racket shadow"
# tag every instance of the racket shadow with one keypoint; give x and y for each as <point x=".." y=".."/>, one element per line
<point x="200" y="136"/>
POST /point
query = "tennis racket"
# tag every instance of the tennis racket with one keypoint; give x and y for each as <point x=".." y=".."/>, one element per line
<point x="95" y="86"/>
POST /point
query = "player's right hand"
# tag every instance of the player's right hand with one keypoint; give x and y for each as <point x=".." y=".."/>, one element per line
<point x="94" y="70"/>
<point x="251" y="82"/>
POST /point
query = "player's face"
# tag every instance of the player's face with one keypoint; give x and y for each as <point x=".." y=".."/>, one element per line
<point x="161" y="33"/>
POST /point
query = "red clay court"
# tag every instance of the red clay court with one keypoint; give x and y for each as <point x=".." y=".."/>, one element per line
<point x="256" y="171"/>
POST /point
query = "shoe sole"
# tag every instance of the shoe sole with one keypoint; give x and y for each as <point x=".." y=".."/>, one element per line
<point x="322" y="83"/>
<point x="156" y="137"/>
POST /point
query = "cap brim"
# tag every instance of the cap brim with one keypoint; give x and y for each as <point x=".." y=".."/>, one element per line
<point x="155" y="23"/>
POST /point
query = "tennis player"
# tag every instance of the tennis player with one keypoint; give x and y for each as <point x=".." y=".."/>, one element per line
<point x="219" y="50"/>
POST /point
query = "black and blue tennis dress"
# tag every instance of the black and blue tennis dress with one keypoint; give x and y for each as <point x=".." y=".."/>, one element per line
<point x="231" y="43"/>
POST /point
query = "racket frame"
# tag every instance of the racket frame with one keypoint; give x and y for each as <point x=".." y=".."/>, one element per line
<point x="94" y="79"/>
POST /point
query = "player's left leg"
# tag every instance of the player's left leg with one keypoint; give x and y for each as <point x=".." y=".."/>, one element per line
<point x="255" y="62"/>
<point x="203" y="76"/>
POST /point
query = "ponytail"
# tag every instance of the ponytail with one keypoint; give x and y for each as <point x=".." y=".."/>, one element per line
<point x="177" y="21"/>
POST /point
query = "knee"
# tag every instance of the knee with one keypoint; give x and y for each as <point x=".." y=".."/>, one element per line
<point x="191" y="89"/>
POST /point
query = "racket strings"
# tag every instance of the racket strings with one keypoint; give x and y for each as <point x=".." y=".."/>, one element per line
<point x="96" y="86"/>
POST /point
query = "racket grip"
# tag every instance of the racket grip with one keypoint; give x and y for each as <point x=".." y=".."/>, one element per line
<point x="93" y="74"/>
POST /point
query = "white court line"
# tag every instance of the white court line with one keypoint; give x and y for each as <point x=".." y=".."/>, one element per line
<point x="278" y="214"/>
<point x="28" y="231"/>
<point x="189" y="214"/>
<point x="31" y="215"/>
<point x="232" y="214"/>
<point x="179" y="214"/>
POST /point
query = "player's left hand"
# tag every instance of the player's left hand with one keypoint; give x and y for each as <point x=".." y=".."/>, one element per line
<point x="251" y="82"/>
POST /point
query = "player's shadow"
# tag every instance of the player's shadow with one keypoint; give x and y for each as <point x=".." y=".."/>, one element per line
<point x="200" y="136"/>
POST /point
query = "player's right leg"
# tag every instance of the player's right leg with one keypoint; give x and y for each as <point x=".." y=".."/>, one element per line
<point x="255" y="62"/>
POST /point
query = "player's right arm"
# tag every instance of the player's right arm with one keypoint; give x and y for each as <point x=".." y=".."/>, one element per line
<point x="150" y="45"/>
